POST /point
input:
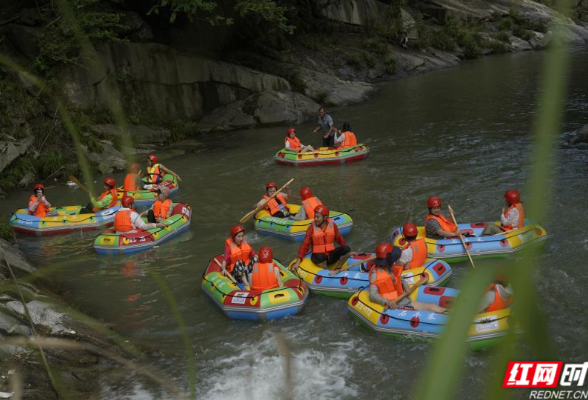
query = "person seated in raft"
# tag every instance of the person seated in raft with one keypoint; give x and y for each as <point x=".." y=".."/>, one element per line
<point x="322" y="235"/>
<point x="386" y="287"/>
<point x="265" y="274"/>
<point x="132" y="179"/>
<point x="162" y="208"/>
<point x="344" y="138"/>
<point x="239" y="257"/>
<point x="437" y="226"/>
<point x="309" y="203"/>
<point x="325" y="123"/>
<point x="106" y="200"/>
<point x="512" y="217"/>
<point x="278" y="206"/>
<point x="38" y="204"/>
<point x="292" y="143"/>
<point x="127" y="220"/>
<point x="414" y="253"/>
<point x="498" y="296"/>
<point x="155" y="172"/>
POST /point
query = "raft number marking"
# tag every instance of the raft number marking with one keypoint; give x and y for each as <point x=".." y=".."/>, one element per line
<point x="239" y="298"/>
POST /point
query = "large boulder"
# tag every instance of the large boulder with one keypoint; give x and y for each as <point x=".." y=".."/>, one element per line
<point x="10" y="151"/>
<point x="109" y="160"/>
<point x="12" y="255"/>
<point x="43" y="315"/>
<point x="331" y="90"/>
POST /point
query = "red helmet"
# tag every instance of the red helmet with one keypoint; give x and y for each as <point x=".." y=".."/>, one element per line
<point x="512" y="196"/>
<point x="266" y="255"/>
<point x="305" y="193"/>
<point x="409" y="230"/>
<point x="433" y="201"/>
<point x="38" y="186"/>
<point x="322" y="209"/>
<point x="236" y="229"/>
<point x="127" y="201"/>
<point x="152" y="157"/>
<point x="290" y="130"/>
<point x="134" y="167"/>
<point x="270" y="184"/>
<point x="108" y="181"/>
<point x="383" y="249"/>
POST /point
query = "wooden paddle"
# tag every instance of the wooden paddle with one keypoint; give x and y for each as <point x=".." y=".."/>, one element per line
<point x="252" y="213"/>
<point x="461" y="237"/>
<point x="75" y="180"/>
<point x="423" y="280"/>
<point x="228" y="273"/>
<point x="335" y="272"/>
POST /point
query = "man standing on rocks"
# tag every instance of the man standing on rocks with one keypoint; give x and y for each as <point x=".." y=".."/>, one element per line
<point x="325" y="122"/>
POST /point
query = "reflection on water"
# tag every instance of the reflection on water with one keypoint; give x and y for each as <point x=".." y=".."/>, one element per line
<point x="462" y="134"/>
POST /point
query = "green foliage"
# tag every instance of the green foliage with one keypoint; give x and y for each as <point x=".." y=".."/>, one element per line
<point x="368" y="59"/>
<point x="524" y="34"/>
<point x="181" y="129"/>
<point x="375" y="45"/>
<point x="425" y="34"/>
<point x="390" y="65"/>
<point x="443" y="40"/>
<point x="315" y="42"/>
<point x="495" y="46"/>
<point x="354" y="59"/>
<point x="503" y="36"/>
<point x="190" y="8"/>
<point x="6" y="231"/>
<point x="506" y="24"/>
<point x="268" y="10"/>
<point x="322" y="98"/>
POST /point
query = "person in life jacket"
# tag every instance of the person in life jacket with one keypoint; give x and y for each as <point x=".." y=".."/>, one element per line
<point x="132" y="179"/>
<point x="344" y="138"/>
<point x="292" y="143"/>
<point x="106" y="200"/>
<point x="239" y="256"/>
<point x="498" y="296"/>
<point x="309" y="203"/>
<point x="414" y="253"/>
<point x="386" y="287"/>
<point x="512" y="217"/>
<point x="322" y="235"/>
<point x="437" y="226"/>
<point x="127" y="220"/>
<point x="265" y="274"/>
<point x="38" y="204"/>
<point x="155" y="172"/>
<point x="278" y="206"/>
<point x="162" y="208"/>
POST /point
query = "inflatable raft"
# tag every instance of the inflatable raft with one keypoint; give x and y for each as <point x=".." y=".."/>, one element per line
<point x="500" y="245"/>
<point x="110" y="242"/>
<point x="296" y="230"/>
<point x="345" y="283"/>
<point x="323" y="156"/>
<point x="486" y="328"/>
<point x="254" y="305"/>
<point x="68" y="220"/>
<point x="145" y="198"/>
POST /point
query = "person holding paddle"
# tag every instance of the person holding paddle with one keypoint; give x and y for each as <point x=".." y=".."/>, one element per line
<point x="106" y="200"/>
<point x="239" y="256"/>
<point x="386" y="287"/>
<point x="277" y="206"/>
<point x="156" y="171"/>
<point x="437" y="226"/>
<point x="127" y="220"/>
<point x="322" y="235"/>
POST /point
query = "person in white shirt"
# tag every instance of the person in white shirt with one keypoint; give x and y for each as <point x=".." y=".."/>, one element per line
<point x="512" y="218"/>
<point x="127" y="220"/>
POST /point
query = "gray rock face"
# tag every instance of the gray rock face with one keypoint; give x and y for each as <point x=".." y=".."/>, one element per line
<point x="9" y="151"/>
<point x="10" y="325"/>
<point x="354" y="12"/>
<point x="109" y="160"/>
<point x="141" y="133"/>
<point x="265" y="108"/>
<point x="15" y="257"/>
<point x="332" y="89"/>
<point x="43" y="315"/>
<point x="518" y="44"/>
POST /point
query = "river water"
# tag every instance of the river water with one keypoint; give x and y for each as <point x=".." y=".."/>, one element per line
<point x="462" y="134"/>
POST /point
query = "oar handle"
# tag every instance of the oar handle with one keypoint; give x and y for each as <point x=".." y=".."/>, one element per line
<point x="252" y="213"/>
<point x="423" y="280"/>
<point x="461" y="237"/>
<point x="228" y="273"/>
<point x="77" y="182"/>
<point x="352" y="265"/>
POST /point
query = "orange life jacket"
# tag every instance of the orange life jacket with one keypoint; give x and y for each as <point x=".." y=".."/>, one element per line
<point x="41" y="210"/>
<point x="388" y="285"/>
<point x="419" y="253"/>
<point x="238" y="253"/>
<point x="499" y="303"/>
<point x="161" y="208"/>
<point x="521" y="211"/>
<point x="323" y="241"/>
<point x="112" y="201"/>
<point x="272" y="206"/>
<point x="122" y="221"/>
<point x="446" y="225"/>
<point x="154" y="174"/>
<point x="309" y="206"/>
<point x="263" y="276"/>
<point x="350" y="140"/>
<point x="294" y="143"/>
<point x="131" y="182"/>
